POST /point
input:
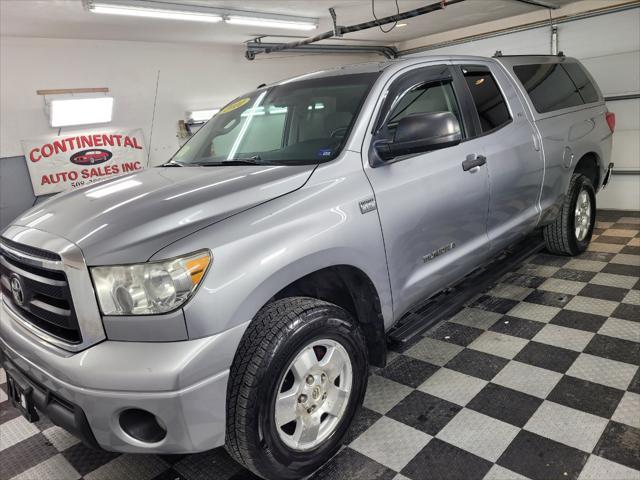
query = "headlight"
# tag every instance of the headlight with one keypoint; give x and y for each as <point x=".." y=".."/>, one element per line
<point x="149" y="288"/>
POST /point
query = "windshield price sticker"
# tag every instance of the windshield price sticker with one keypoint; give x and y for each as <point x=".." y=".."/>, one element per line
<point x="234" y="105"/>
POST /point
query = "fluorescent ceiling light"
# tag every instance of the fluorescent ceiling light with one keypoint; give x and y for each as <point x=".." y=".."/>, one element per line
<point x="80" y="111"/>
<point x="192" y="16"/>
<point x="270" y="23"/>
<point x="198" y="116"/>
<point x="200" y="13"/>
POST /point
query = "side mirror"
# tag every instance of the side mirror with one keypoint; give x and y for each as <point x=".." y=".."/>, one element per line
<point x="421" y="132"/>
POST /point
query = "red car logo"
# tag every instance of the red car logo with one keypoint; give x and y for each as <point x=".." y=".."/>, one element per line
<point x="91" y="157"/>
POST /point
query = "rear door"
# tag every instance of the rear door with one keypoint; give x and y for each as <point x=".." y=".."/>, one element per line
<point x="433" y="213"/>
<point x="514" y="162"/>
<point x="569" y="112"/>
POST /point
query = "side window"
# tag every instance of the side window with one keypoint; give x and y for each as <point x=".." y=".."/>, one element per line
<point x="581" y="81"/>
<point x="425" y="98"/>
<point x="489" y="102"/>
<point x="549" y="86"/>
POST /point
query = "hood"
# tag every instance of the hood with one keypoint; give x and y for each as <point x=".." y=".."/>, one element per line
<point x="128" y="219"/>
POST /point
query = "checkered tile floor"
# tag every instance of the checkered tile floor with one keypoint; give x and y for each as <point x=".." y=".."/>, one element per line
<point x="537" y="378"/>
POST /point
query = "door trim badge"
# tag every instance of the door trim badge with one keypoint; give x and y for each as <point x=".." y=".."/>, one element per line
<point x="438" y="252"/>
<point x="368" y="205"/>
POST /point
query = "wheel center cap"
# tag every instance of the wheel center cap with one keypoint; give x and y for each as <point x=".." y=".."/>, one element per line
<point x="315" y="393"/>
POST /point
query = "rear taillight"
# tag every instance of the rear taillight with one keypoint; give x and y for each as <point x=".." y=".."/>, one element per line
<point x="611" y="121"/>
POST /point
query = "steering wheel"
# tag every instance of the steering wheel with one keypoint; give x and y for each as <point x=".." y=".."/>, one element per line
<point x="338" y="132"/>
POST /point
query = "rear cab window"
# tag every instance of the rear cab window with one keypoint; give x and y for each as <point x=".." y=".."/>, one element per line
<point x="490" y="105"/>
<point x="556" y="86"/>
<point x="585" y="87"/>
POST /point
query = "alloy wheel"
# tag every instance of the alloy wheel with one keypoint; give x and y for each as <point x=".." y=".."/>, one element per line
<point x="313" y="395"/>
<point x="582" y="217"/>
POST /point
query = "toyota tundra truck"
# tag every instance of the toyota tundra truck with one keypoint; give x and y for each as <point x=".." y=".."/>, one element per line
<point x="237" y="294"/>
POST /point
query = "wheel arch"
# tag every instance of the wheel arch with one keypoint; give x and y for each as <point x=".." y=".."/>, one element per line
<point x="352" y="289"/>
<point x="589" y="165"/>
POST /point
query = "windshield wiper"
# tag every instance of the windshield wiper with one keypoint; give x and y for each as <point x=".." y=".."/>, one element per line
<point x="255" y="160"/>
<point x="173" y="163"/>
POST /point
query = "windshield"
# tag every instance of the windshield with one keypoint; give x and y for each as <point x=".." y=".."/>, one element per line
<point x="302" y="122"/>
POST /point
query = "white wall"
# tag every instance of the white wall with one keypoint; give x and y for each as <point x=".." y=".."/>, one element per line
<point x="609" y="46"/>
<point x="191" y="77"/>
<point x="197" y="76"/>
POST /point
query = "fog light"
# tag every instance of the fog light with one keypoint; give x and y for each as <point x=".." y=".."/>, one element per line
<point x="142" y="425"/>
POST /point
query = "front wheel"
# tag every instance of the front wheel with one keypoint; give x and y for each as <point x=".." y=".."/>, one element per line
<point x="571" y="232"/>
<point x="295" y="384"/>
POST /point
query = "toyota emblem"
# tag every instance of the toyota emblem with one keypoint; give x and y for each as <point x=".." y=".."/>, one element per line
<point x="17" y="289"/>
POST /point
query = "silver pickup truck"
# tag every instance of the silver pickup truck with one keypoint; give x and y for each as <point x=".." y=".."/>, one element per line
<point x="237" y="294"/>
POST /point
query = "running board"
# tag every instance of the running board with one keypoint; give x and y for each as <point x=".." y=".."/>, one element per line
<point x="433" y="311"/>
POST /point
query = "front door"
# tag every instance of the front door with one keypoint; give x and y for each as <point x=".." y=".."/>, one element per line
<point x="433" y="212"/>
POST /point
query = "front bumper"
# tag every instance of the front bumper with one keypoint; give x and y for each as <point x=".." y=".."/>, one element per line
<point x="58" y="410"/>
<point x="183" y="384"/>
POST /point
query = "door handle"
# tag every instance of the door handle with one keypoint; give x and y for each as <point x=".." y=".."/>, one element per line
<point x="473" y="161"/>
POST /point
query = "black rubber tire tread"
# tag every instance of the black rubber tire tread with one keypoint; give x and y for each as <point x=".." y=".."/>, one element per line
<point x="559" y="236"/>
<point x="248" y="367"/>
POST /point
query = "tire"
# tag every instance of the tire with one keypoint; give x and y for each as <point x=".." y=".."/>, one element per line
<point x="282" y="334"/>
<point x="562" y="237"/>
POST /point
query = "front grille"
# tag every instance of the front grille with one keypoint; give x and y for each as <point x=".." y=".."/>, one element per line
<point x="34" y="251"/>
<point x="46" y="297"/>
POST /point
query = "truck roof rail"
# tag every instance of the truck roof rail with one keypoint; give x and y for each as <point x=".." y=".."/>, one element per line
<point x="500" y="54"/>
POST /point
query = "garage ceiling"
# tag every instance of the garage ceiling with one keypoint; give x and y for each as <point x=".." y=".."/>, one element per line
<point x="68" y="19"/>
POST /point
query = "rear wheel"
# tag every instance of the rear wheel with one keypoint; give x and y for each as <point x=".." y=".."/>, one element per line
<point x="296" y="382"/>
<point x="571" y="232"/>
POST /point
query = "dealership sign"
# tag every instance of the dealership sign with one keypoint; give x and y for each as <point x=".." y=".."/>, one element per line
<point x="62" y="163"/>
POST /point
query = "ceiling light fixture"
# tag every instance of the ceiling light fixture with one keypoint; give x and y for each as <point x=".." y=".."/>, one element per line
<point x="169" y="14"/>
<point x="269" y="23"/>
<point x="198" y="13"/>
<point x="400" y="25"/>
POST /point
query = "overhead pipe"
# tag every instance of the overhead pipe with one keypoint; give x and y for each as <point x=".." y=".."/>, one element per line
<point x="541" y="3"/>
<point x="339" y="31"/>
<point x="389" y="52"/>
<point x="554" y="40"/>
